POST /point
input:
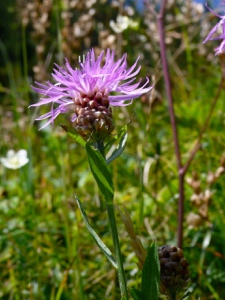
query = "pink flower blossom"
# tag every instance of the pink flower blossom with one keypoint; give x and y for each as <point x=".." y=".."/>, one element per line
<point x="221" y="24"/>
<point x="95" y="78"/>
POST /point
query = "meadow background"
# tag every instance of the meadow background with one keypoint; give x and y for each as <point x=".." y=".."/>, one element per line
<point x="45" y="250"/>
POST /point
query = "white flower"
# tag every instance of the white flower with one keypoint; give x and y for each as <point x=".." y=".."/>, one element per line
<point x="15" y="160"/>
<point x="122" y="23"/>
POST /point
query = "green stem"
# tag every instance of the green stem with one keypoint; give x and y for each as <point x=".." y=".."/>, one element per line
<point x="101" y="148"/>
<point x="114" y="232"/>
<point x="173" y="295"/>
<point x="120" y="270"/>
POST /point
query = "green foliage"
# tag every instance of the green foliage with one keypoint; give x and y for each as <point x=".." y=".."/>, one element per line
<point x="100" y="171"/>
<point x="97" y="239"/>
<point x="151" y="274"/>
<point x="72" y="133"/>
<point x="136" y="294"/>
<point x="122" y="136"/>
<point x="46" y="251"/>
<point x="150" y="277"/>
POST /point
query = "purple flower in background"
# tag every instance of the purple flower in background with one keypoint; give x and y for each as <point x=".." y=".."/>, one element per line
<point x="89" y="90"/>
<point x="220" y="25"/>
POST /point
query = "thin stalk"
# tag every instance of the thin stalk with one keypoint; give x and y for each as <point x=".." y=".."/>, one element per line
<point x="100" y="146"/>
<point x="180" y="210"/>
<point x="114" y="232"/>
<point x="205" y="125"/>
<point x="59" y="35"/>
<point x="119" y="260"/>
<point x="141" y="199"/>
<point x="182" y="169"/>
<point x="167" y="83"/>
<point x="181" y="175"/>
<point x="24" y="45"/>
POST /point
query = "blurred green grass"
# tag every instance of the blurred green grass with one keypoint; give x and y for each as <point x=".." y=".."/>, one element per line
<point x="46" y="251"/>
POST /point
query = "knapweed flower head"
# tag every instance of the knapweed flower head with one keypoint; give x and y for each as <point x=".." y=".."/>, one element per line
<point x="219" y="26"/>
<point x="15" y="160"/>
<point x="89" y="92"/>
<point x="174" y="271"/>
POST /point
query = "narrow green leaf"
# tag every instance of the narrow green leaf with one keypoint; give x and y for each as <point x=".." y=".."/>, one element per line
<point x="100" y="171"/>
<point x="119" y="149"/>
<point x="187" y="294"/>
<point x="151" y="274"/>
<point x="135" y="294"/>
<point x="97" y="239"/>
<point x="113" y="138"/>
<point x="72" y="132"/>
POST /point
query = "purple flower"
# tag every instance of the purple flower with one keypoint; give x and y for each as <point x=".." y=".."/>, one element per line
<point x="97" y="81"/>
<point x="221" y="24"/>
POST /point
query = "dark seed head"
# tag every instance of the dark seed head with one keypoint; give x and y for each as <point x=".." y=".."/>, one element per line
<point x="174" y="270"/>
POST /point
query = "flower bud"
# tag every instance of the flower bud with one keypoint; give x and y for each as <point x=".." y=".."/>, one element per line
<point x="174" y="270"/>
<point x="94" y="117"/>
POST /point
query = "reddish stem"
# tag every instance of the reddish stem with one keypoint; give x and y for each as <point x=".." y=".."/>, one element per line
<point x="182" y="169"/>
<point x="160" y="21"/>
